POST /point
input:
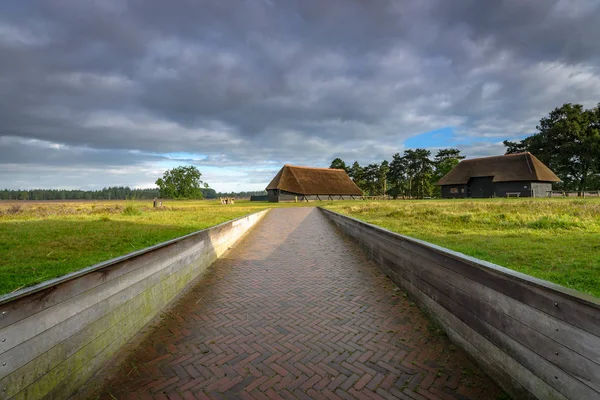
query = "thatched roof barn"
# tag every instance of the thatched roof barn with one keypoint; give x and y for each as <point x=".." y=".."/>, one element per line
<point x="521" y="175"/>
<point x="305" y="183"/>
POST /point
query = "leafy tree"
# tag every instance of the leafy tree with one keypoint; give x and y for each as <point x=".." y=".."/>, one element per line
<point x="568" y="141"/>
<point x="338" y="163"/>
<point x="181" y="182"/>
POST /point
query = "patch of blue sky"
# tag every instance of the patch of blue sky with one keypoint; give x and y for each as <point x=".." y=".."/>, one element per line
<point x="437" y="138"/>
<point x="447" y="137"/>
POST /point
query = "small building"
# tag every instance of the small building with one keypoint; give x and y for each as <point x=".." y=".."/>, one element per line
<point x="305" y="183"/>
<point x="519" y="175"/>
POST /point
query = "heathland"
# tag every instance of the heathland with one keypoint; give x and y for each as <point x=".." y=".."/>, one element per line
<point x="44" y="240"/>
<point x="553" y="239"/>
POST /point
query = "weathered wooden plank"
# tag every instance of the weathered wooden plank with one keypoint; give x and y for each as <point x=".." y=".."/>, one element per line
<point x="512" y="376"/>
<point x="584" y="344"/>
<point x="71" y="328"/>
<point x="46" y="319"/>
<point x="190" y="272"/>
<point x="562" y="357"/>
<point x="88" y="336"/>
<point x="575" y="308"/>
<point x="121" y="331"/>
<point x="42" y="296"/>
<point x="560" y="348"/>
<point x="26" y="306"/>
<point x="557" y="304"/>
<point x="547" y="372"/>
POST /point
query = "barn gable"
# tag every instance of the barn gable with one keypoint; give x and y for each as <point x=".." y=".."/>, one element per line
<point x="314" y="181"/>
<point x="506" y="168"/>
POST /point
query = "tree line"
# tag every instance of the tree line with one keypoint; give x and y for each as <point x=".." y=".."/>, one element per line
<point x="110" y="193"/>
<point x="568" y="142"/>
<point x="412" y="174"/>
<point x="107" y="193"/>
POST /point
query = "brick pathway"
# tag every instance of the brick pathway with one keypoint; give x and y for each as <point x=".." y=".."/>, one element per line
<point x="295" y="310"/>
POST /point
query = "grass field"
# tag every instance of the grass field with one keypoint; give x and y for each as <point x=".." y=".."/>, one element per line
<point x="44" y="240"/>
<point x="553" y="239"/>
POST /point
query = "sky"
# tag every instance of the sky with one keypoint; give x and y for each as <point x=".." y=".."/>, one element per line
<point x="115" y="92"/>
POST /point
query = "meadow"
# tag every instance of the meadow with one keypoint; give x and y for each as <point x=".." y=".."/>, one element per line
<point x="553" y="239"/>
<point x="44" y="240"/>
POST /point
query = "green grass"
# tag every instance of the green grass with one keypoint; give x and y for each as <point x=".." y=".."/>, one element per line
<point x="45" y="240"/>
<point x="553" y="239"/>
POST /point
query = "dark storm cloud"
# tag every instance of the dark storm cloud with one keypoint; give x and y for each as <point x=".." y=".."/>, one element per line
<point x="249" y="83"/>
<point x="31" y="151"/>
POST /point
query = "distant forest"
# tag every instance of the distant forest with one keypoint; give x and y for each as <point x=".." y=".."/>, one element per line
<point x="109" y="193"/>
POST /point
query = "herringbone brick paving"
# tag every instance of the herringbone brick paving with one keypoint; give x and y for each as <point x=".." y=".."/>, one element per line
<point x="294" y="311"/>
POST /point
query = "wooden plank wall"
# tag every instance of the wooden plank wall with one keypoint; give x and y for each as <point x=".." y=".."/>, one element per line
<point x="55" y="336"/>
<point x="538" y="340"/>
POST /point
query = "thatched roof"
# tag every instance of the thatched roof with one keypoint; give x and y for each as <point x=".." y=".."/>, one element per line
<point x="312" y="181"/>
<point x="507" y="168"/>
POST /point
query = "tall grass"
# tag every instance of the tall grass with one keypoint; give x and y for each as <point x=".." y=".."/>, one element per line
<point x="131" y="208"/>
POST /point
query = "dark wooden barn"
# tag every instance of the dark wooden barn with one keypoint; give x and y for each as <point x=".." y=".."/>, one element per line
<point x="521" y="175"/>
<point x="304" y="183"/>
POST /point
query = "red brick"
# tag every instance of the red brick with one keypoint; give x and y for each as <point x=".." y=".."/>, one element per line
<point x="296" y="310"/>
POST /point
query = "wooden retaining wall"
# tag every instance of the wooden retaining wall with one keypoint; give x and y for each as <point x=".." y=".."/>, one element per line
<point x="538" y="340"/>
<point x="55" y="336"/>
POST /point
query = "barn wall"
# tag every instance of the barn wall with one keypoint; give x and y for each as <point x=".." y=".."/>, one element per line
<point x="259" y="198"/>
<point x="522" y="187"/>
<point x="56" y="335"/>
<point x="536" y="339"/>
<point x="284" y="196"/>
<point x="447" y="191"/>
<point x="272" y="196"/>
<point x="481" y="187"/>
<point x="541" y="189"/>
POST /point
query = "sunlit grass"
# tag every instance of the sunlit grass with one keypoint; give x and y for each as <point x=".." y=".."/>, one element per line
<point x="40" y="241"/>
<point x="553" y="239"/>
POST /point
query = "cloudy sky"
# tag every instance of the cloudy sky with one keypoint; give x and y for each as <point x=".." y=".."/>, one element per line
<point x="113" y="92"/>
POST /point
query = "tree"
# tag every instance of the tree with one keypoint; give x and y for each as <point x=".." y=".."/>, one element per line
<point x="411" y="165"/>
<point x="357" y="174"/>
<point x="396" y="176"/>
<point x="338" y="163"/>
<point x="384" y="168"/>
<point x="568" y="141"/>
<point x="181" y="182"/>
<point x="371" y="179"/>
<point x="424" y="170"/>
<point x="445" y="160"/>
